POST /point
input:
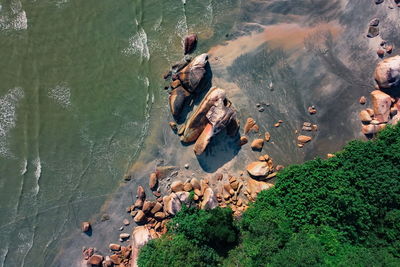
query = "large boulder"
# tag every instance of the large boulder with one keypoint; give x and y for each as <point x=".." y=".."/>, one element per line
<point x="172" y="204"/>
<point x="95" y="260"/>
<point x="192" y="76"/>
<point x="219" y="117"/>
<point x="190" y="43"/>
<point x="140" y="237"/>
<point x="387" y="73"/>
<point x="177" y="99"/>
<point x="381" y="103"/>
<point x="198" y="120"/>
<point x="258" y="168"/>
<point x="209" y="199"/>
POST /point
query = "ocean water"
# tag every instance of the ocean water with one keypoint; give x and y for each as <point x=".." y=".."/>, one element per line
<point x="79" y="81"/>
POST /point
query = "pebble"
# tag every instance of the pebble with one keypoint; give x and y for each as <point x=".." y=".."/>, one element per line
<point x="261" y="109"/>
<point x="121" y="228"/>
<point x="186" y="166"/>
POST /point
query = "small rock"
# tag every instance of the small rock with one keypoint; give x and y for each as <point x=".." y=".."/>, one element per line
<point x="364" y="116"/>
<point x="257" y="144"/>
<point x="140" y="192"/>
<point x="261" y="109"/>
<point x="121" y="228"/>
<point x="277" y="124"/>
<point x="85" y="227"/>
<point x="125" y="222"/>
<point x="300" y="145"/>
<point x="177" y="186"/>
<point x="187" y="187"/>
<point x="330" y="155"/>
<point x="124" y="236"/>
<point x="173" y="126"/>
<point x="95" y="260"/>
<point x="186" y="166"/>
<point x="140" y="217"/>
<point x="304" y="139"/>
<point x="153" y="181"/>
<point x="257" y="168"/>
<point x="219" y="176"/>
<point x="389" y="49"/>
<point x="243" y="140"/>
<point x="363" y="100"/>
<point x="159" y="215"/>
<point x="279" y="167"/>
<point x="250" y="125"/>
<point x="372" y="32"/>
<point x="380" y="53"/>
<point x="374" y="22"/>
<point x="115" y="247"/>
<point x="267" y="136"/>
<point x="312" y="110"/>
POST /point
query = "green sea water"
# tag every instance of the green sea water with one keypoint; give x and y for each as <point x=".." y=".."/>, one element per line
<point x="78" y="82"/>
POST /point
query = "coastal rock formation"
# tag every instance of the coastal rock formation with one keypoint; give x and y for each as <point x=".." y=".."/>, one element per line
<point x="387" y="73"/>
<point x="192" y="76"/>
<point x="190" y="43"/>
<point x="177" y="99"/>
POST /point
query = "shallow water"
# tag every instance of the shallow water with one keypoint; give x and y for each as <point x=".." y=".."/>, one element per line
<point x="81" y="101"/>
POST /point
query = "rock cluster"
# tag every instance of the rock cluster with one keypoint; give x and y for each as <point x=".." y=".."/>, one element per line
<point x="385" y="100"/>
<point x="262" y="169"/>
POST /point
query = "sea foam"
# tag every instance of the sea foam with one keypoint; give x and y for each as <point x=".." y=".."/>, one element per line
<point x="138" y="45"/>
<point x="61" y="93"/>
<point x="15" y="18"/>
<point x="8" y="116"/>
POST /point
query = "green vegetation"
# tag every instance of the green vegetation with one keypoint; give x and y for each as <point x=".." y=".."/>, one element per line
<point x="343" y="211"/>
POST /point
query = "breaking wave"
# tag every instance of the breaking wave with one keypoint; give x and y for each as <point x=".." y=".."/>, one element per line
<point x="138" y="45"/>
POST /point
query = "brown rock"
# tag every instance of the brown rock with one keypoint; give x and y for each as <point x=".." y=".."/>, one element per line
<point x="370" y="111"/>
<point x="389" y="49"/>
<point x="190" y="43"/>
<point x="140" y="192"/>
<point x="363" y="100"/>
<point x="372" y="129"/>
<point x="267" y="136"/>
<point x="304" y="139"/>
<point x="153" y="181"/>
<point x="380" y="53"/>
<point x="387" y="73"/>
<point x="175" y="84"/>
<point x="330" y="156"/>
<point x="177" y="99"/>
<point x="381" y="103"/>
<point x="159" y="216"/>
<point x="147" y="206"/>
<point x="364" y="116"/>
<point x="279" y="167"/>
<point x="258" y="168"/>
<point x="198" y="192"/>
<point x="209" y="199"/>
<point x="138" y="203"/>
<point x="257" y="144"/>
<point x="243" y="140"/>
<point x="140" y="217"/>
<point x="195" y="183"/>
<point x="192" y="76"/>
<point x="95" y="260"/>
<point x="157" y="207"/>
<point x="235" y="185"/>
<point x="277" y="124"/>
<point x="187" y="187"/>
<point x="174" y="126"/>
<point x="87" y="253"/>
<point x="85" y="227"/>
<point x="125" y="222"/>
<point x="177" y="186"/>
<point x="172" y="204"/>
<point x="115" y="259"/>
<point x="115" y="247"/>
<point x="300" y="145"/>
<point x="250" y="125"/>
<point x="219" y="176"/>
<point x="312" y="110"/>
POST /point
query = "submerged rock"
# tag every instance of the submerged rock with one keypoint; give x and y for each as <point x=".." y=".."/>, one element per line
<point x="190" y="43"/>
<point x="387" y="73"/>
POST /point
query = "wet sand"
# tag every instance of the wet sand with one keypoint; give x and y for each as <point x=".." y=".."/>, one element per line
<point x="314" y="55"/>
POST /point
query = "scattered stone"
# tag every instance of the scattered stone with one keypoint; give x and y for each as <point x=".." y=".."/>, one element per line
<point x="364" y="116"/>
<point x="139" y="218"/>
<point x="300" y="145"/>
<point x="138" y="203"/>
<point x="261" y="109"/>
<point x="105" y="217"/>
<point x="153" y="181"/>
<point x="267" y="136"/>
<point x="389" y="49"/>
<point x="243" y="140"/>
<point x="124" y="236"/>
<point x="157" y="193"/>
<point x="279" y="167"/>
<point x="380" y="53"/>
<point x="115" y="247"/>
<point x="312" y="110"/>
<point x="374" y="22"/>
<point x="257" y="144"/>
<point x="250" y="125"/>
<point x="219" y="176"/>
<point x="157" y="207"/>
<point x="304" y="139"/>
<point x="186" y="166"/>
<point x="86" y="227"/>
<point x="125" y="222"/>
<point x="195" y="183"/>
<point x="140" y="192"/>
<point x="159" y="216"/>
<point x="363" y="100"/>
<point x="95" y="260"/>
<point x="187" y="187"/>
<point x="330" y="156"/>
<point x="173" y="126"/>
<point x="257" y="168"/>
<point x="277" y="124"/>
<point x="372" y="32"/>
<point x="87" y="253"/>
<point x="177" y="186"/>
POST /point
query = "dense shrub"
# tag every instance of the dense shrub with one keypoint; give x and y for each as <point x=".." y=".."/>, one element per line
<point x="343" y="211"/>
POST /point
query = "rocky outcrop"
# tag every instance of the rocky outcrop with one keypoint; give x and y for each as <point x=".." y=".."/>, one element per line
<point x="177" y="99"/>
<point x="387" y="73"/>
<point x="190" y="43"/>
<point x="192" y="76"/>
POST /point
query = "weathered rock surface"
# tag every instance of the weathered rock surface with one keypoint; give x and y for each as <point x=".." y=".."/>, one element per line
<point x="192" y="76"/>
<point x="257" y="168"/>
<point x="381" y="103"/>
<point x="387" y="73"/>
<point x="140" y="236"/>
<point x="304" y="139"/>
<point x="190" y="43"/>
